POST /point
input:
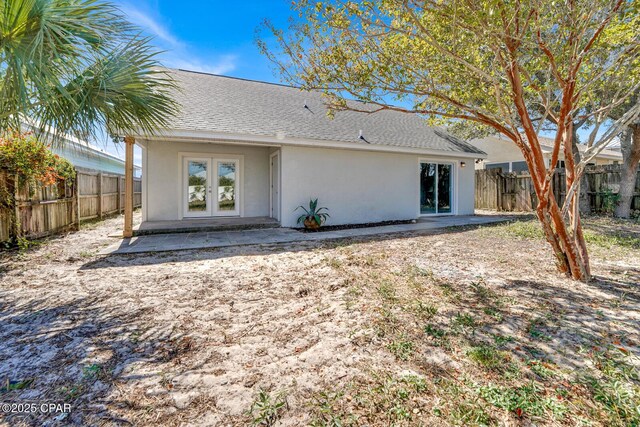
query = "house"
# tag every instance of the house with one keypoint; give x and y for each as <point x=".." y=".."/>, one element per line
<point x="244" y="148"/>
<point x="83" y="155"/>
<point x="86" y="156"/>
<point x="503" y="154"/>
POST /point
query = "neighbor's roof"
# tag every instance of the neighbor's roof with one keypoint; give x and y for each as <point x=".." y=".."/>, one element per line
<point x="237" y="106"/>
<point x="606" y="153"/>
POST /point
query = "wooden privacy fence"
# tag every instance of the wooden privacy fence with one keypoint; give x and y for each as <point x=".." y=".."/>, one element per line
<point x="47" y="210"/>
<point x="101" y="194"/>
<point x="510" y="192"/>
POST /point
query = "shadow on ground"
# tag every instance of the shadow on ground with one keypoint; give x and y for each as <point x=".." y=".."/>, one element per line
<point x="73" y="353"/>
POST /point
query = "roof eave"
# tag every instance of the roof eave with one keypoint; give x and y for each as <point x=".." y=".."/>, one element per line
<point x="277" y="141"/>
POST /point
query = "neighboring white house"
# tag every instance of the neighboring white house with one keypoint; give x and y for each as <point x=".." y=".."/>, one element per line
<point x="84" y="155"/>
<point x="505" y="155"/>
<point x="268" y="148"/>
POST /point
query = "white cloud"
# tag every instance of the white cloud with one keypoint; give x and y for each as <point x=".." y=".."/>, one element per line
<point x="178" y="54"/>
<point x="149" y="24"/>
<point x="222" y="65"/>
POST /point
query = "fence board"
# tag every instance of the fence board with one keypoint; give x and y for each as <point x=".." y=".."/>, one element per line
<point x="46" y="210"/>
<point x="514" y="192"/>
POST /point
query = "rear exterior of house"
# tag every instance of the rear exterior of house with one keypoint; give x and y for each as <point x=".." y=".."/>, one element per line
<point x="504" y="155"/>
<point x="243" y="148"/>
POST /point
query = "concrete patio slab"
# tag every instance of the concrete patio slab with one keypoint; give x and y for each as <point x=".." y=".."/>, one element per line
<point x="191" y="225"/>
<point x="219" y="239"/>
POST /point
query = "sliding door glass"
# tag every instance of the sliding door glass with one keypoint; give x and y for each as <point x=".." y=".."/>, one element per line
<point x="444" y="188"/>
<point x="427" y="188"/>
<point x="436" y="188"/>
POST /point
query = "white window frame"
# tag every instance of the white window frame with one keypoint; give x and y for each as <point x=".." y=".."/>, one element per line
<point x="454" y="186"/>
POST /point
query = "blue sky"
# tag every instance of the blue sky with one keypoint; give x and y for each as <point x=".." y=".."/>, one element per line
<point x="212" y="36"/>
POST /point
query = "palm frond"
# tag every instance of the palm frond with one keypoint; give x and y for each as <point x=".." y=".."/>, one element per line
<point x="77" y="65"/>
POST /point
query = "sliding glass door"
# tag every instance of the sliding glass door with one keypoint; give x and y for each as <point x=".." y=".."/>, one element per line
<point x="436" y="188"/>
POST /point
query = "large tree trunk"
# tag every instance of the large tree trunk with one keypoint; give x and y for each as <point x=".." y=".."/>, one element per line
<point x="630" y="145"/>
<point x="565" y="236"/>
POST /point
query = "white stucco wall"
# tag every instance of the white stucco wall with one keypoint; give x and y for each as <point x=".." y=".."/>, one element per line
<point x="162" y="191"/>
<point x="498" y="151"/>
<point x="360" y="186"/>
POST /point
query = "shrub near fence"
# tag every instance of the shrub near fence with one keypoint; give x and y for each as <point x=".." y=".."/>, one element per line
<point x="47" y="210"/>
<point x="514" y="192"/>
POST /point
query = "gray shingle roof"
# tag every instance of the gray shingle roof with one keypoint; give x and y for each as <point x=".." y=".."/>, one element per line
<point x="232" y="105"/>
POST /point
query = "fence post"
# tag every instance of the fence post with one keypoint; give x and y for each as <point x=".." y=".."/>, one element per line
<point x="76" y="200"/>
<point x="500" y="189"/>
<point x="118" y="197"/>
<point x="17" y="226"/>
<point x="100" y="202"/>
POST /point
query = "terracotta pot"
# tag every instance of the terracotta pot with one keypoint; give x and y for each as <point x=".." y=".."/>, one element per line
<point x="311" y="224"/>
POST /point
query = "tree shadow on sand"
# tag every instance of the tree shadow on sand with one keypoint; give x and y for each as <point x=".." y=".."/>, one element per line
<point x="573" y="320"/>
<point x="73" y="352"/>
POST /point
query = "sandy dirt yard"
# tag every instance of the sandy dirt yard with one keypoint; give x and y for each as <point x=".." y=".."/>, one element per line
<point x="467" y="326"/>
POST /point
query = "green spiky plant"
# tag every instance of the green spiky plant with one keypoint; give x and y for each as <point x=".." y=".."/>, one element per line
<point x="314" y="217"/>
<point x="78" y="66"/>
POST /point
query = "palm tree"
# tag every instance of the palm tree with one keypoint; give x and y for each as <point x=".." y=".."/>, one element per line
<point x="77" y="66"/>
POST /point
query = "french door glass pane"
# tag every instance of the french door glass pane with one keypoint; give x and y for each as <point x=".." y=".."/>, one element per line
<point x="444" y="188"/>
<point x="197" y="190"/>
<point x="227" y="186"/>
<point x="427" y="188"/>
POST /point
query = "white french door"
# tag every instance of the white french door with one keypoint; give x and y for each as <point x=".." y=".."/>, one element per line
<point x="210" y="187"/>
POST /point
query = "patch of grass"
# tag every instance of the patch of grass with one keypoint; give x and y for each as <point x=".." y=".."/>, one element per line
<point x="402" y="349"/>
<point x="390" y="400"/>
<point x="440" y="338"/>
<point x="501" y="340"/>
<point x="91" y="371"/>
<point x="387" y="291"/>
<point x="381" y="399"/>
<point x="448" y="291"/>
<point x="494" y="313"/>
<point x="333" y="262"/>
<point x="463" y="322"/>
<point x="16" y="385"/>
<point x="614" y="386"/>
<point x="483" y="292"/>
<point x="266" y="409"/>
<point x="424" y="310"/>
<point x="460" y="407"/>
<point x="325" y="411"/>
<point x="72" y="392"/>
<point x="527" y="400"/>
<point x="488" y="356"/>
<point x="542" y="369"/>
<point x="535" y="331"/>
<point x="387" y="323"/>
<point x="608" y="241"/>
<point x="525" y="229"/>
<point x="434" y="331"/>
<point x="414" y="270"/>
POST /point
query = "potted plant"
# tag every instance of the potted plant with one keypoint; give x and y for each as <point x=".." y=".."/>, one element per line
<point x="313" y="217"/>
